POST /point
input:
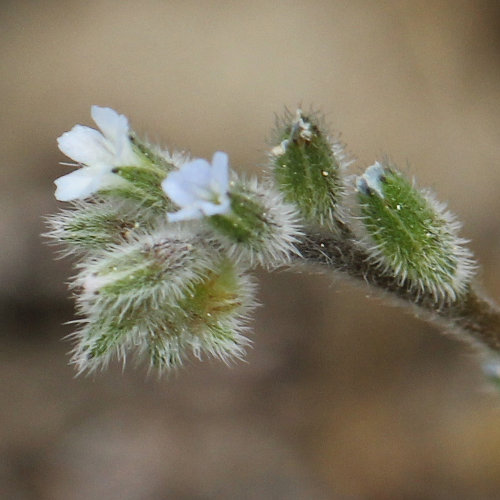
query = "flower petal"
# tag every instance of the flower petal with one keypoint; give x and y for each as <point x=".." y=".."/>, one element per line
<point x="77" y="185"/>
<point x="85" y="145"/>
<point x="177" y="190"/>
<point x="187" y="185"/>
<point x="86" y="181"/>
<point x="113" y="125"/>
<point x="220" y="171"/>
<point x="116" y="132"/>
<point x="197" y="172"/>
<point x="199" y="188"/>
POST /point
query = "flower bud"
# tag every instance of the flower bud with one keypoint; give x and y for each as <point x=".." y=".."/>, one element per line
<point x="307" y="167"/>
<point x="260" y="226"/>
<point x="411" y="236"/>
<point x="163" y="296"/>
<point x="96" y="225"/>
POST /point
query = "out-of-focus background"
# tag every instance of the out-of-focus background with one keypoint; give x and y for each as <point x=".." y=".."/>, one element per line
<point x="343" y="396"/>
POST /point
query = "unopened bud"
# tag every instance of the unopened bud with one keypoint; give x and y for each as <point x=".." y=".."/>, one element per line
<point x="307" y="167"/>
<point x="411" y="236"/>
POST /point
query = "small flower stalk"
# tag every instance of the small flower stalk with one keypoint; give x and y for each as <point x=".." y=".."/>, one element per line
<point x="166" y="244"/>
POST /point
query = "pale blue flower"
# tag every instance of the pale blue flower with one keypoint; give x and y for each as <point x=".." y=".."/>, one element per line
<point x="200" y="189"/>
<point x="98" y="152"/>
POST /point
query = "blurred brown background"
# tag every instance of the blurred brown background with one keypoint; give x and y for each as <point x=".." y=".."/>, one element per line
<point x="343" y="396"/>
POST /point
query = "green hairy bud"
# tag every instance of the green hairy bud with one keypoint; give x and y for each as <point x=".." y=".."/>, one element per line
<point x="260" y="226"/>
<point x="165" y="295"/>
<point x="411" y="236"/>
<point x="92" y="226"/>
<point x="308" y="167"/>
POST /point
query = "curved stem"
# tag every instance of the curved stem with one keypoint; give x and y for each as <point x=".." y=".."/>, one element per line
<point x="472" y="314"/>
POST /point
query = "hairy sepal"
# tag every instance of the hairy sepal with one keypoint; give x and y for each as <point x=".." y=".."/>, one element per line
<point x="97" y="224"/>
<point x="162" y="297"/>
<point x="261" y="227"/>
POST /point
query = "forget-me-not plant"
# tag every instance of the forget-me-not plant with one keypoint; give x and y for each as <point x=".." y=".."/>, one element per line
<point x="167" y="244"/>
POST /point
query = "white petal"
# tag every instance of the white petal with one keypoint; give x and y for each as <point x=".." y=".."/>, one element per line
<point x="220" y="171"/>
<point x="178" y="190"/>
<point x="187" y="185"/>
<point x="116" y="131"/>
<point x="77" y="185"/>
<point x="85" y="145"/>
<point x="199" y="188"/>
<point x="113" y="125"/>
<point x="197" y="172"/>
<point x="110" y="180"/>
<point x="372" y="179"/>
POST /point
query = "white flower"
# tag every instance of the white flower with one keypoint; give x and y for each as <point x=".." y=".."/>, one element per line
<point x="199" y="188"/>
<point x="98" y="152"/>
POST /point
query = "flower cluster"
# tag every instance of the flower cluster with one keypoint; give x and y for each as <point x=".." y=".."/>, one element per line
<point x="167" y="243"/>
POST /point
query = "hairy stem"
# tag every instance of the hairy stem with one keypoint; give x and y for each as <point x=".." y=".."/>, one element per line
<point x="472" y="314"/>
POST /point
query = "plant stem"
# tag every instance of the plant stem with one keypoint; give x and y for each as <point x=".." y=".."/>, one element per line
<point x="472" y="314"/>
